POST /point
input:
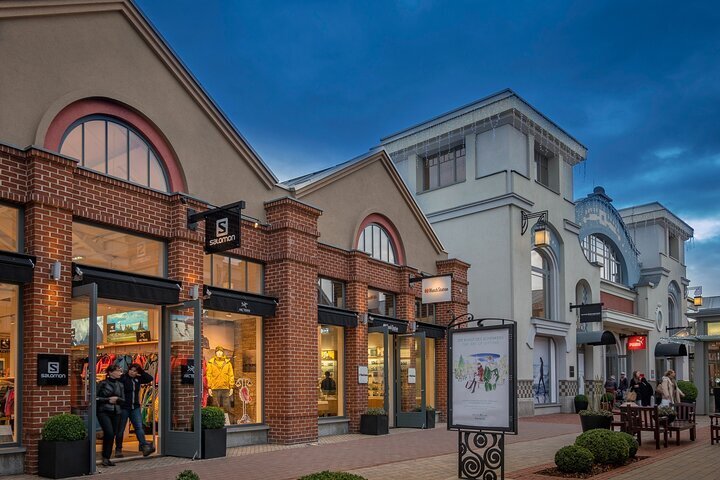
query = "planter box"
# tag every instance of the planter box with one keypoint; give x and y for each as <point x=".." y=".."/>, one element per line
<point x="63" y="459"/>
<point x="374" y="424"/>
<point x="580" y="405"/>
<point x="590" y="422"/>
<point x="429" y="418"/>
<point x="214" y="443"/>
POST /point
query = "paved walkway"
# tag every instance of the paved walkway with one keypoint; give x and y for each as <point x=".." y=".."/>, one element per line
<point x="425" y="455"/>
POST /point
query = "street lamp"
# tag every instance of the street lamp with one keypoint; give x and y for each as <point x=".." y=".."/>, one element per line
<point x="542" y="234"/>
<point x="697" y="295"/>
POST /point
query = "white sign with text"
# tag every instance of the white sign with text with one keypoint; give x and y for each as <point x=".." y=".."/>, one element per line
<point x="437" y="289"/>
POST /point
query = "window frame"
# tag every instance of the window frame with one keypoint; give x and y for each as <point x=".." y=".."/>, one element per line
<point x="394" y="303"/>
<point x="598" y="250"/>
<point x="229" y="258"/>
<point x="151" y="150"/>
<point x="542" y="168"/>
<point x="333" y="284"/>
<point x="384" y="237"/>
<point x="20" y="227"/>
<point x="546" y="273"/>
<point x="434" y="160"/>
<point x="430" y="318"/>
<point x="19" y="350"/>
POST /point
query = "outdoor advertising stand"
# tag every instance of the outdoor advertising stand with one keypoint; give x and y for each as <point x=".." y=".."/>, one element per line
<point x="482" y="393"/>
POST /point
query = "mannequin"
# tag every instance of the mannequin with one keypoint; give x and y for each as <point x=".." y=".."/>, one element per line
<point x="220" y="379"/>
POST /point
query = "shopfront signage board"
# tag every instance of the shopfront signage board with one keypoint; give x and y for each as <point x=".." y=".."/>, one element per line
<point x="187" y="372"/>
<point x="362" y="374"/>
<point x="482" y="379"/>
<point x="591" y="312"/>
<point x="52" y="369"/>
<point x="411" y="375"/>
<point x="637" y="342"/>
<point x="222" y="230"/>
<point x="142" y="336"/>
<point x="437" y="289"/>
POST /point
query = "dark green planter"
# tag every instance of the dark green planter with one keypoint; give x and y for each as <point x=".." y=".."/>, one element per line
<point x="63" y="459"/>
<point x="214" y="442"/>
<point x="590" y="422"/>
<point x="374" y="424"/>
<point x="581" y="405"/>
<point x="429" y="418"/>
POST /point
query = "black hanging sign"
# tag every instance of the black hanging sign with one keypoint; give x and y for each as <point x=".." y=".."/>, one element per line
<point x="222" y="230"/>
<point x="187" y="372"/>
<point x="52" y="369"/>
<point x="592" y="312"/>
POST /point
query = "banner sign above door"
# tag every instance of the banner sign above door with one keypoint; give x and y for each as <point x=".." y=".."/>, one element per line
<point x="437" y="289"/>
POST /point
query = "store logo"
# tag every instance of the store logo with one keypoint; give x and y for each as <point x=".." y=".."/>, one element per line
<point x="53" y="367"/>
<point x="244" y="308"/>
<point x="222" y="232"/>
<point x="221" y="227"/>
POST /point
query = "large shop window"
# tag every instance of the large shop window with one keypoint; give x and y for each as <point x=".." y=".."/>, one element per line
<point x="108" y="146"/>
<point x="232" y="358"/>
<point x="234" y="273"/>
<point x="115" y="250"/>
<point x="330" y="378"/>
<point x="443" y="168"/>
<point x="9" y="229"/>
<point x="381" y="303"/>
<point x="9" y="323"/>
<point x="424" y="312"/>
<point x="540" y="285"/>
<point x="376" y="241"/>
<point x="331" y="293"/>
<point x="543" y="371"/>
<point x="599" y="250"/>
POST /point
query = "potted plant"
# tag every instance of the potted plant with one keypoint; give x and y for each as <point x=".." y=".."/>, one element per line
<point x="214" y="435"/>
<point x="187" y="475"/>
<point x="607" y="401"/>
<point x="667" y="411"/>
<point x="581" y="402"/>
<point x="689" y="389"/>
<point x="592" y="419"/>
<point x="64" y="448"/>
<point x="374" y="422"/>
<point x="429" y="415"/>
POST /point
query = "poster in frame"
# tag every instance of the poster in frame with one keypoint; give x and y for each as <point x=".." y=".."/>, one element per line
<point x="482" y="373"/>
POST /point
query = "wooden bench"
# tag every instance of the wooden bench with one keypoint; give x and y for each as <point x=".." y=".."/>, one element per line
<point x="649" y="421"/>
<point x="684" y="420"/>
<point x="714" y="428"/>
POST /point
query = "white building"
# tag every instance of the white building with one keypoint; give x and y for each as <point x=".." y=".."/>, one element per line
<point x="476" y="172"/>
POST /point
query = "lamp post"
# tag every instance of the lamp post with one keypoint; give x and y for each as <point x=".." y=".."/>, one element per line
<point x="541" y="234"/>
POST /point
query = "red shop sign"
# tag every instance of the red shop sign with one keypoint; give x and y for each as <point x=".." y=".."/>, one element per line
<point x="637" y="342"/>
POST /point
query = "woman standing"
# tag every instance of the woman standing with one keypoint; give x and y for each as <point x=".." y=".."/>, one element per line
<point x="110" y="397"/>
<point x="669" y="390"/>
<point x="634" y="386"/>
<point x="645" y="391"/>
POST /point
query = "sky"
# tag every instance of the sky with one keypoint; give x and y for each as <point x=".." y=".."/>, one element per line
<point x="311" y="84"/>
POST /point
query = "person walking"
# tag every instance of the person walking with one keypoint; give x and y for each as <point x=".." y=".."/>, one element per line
<point x="623" y="385"/>
<point x="132" y="410"/>
<point x="110" y="397"/>
<point x="611" y="385"/>
<point x="634" y="387"/>
<point x="645" y="391"/>
<point x="669" y="390"/>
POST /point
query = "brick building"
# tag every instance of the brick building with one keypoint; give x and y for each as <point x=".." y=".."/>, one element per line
<point x="99" y="265"/>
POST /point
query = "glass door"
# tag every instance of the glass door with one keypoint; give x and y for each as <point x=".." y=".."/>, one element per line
<point x="181" y="380"/>
<point x="83" y="359"/>
<point x="410" y="406"/>
<point x="378" y="343"/>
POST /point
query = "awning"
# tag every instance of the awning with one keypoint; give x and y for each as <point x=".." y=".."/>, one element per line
<point x="237" y="302"/>
<point x="670" y="350"/>
<point x="394" y="325"/>
<point x="16" y="267"/>
<point x="602" y="337"/>
<point x="127" y="286"/>
<point x="336" y="316"/>
<point x="431" y="331"/>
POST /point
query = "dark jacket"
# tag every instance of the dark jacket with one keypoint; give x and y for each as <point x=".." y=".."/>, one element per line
<point x="645" y="391"/>
<point x="106" y="389"/>
<point x="132" y="388"/>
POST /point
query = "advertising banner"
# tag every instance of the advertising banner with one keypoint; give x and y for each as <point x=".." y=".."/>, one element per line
<point x="437" y="289"/>
<point x="637" y="342"/>
<point x="482" y="379"/>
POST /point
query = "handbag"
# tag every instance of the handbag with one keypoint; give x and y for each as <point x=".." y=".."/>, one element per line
<point x="631" y="396"/>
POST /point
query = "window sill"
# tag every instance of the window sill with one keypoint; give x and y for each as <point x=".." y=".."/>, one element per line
<point x="247" y="427"/>
<point x="421" y="192"/>
<point x="328" y="420"/>
<point x="548" y="187"/>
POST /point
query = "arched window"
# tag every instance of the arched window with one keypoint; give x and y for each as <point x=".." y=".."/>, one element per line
<point x="109" y="146"/>
<point x="541" y="285"/>
<point x="376" y="241"/>
<point x="596" y="249"/>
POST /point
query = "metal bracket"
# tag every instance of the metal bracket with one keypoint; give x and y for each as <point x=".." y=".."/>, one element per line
<point x="524" y="217"/>
<point x="193" y="217"/>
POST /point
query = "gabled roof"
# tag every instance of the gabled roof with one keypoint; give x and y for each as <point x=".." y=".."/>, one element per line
<point x="306" y="184"/>
<point x="485" y="107"/>
<point x="151" y="36"/>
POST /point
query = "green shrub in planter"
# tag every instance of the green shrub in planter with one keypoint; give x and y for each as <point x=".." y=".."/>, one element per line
<point x="65" y="427"/>
<point x="608" y="398"/>
<point x="327" y="475"/>
<point x="606" y="446"/>
<point x="689" y="389"/>
<point x="375" y="411"/>
<point x="187" y="475"/>
<point x="212" y="418"/>
<point x="631" y="441"/>
<point x="574" y="459"/>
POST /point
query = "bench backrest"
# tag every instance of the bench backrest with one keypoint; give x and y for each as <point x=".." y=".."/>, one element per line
<point x="648" y="418"/>
<point x="685" y="412"/>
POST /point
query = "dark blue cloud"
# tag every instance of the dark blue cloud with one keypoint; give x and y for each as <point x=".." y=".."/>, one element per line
<point x="314" y="83"/>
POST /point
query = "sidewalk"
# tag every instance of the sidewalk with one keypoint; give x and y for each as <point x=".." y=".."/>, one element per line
<point x="423" y="455"/>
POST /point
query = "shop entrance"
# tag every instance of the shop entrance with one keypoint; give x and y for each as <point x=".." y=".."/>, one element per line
<point x="396" y="376"/>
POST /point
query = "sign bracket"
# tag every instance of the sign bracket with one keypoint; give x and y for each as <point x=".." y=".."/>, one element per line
<point x="193" y="217"/>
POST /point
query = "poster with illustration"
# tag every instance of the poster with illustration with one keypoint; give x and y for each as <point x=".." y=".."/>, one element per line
<point x="123" y="327"/>
<point x="183" y="328"/>
<point x="81" y="332"/>
<point x="481" y="381"/>
<point x="542" y="363"/>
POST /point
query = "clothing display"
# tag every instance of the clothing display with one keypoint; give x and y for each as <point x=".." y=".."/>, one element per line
<point x="220" y="374"/>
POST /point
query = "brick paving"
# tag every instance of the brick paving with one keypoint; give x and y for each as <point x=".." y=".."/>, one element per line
<point x="426" y="455"/>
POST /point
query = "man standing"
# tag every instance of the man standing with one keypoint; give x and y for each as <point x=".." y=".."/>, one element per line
<point x="132" y="409"/>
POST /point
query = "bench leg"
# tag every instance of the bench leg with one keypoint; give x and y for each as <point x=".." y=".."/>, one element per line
<point x="692" y="434"/>
<point x="677" y="439"/>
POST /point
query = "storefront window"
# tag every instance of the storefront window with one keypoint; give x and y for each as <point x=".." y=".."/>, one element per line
<point x="424" y="313"/>
<point x="376" y="370"/>
<point x="232" y="370"/>
<point x="540" y="285"/>
<point x="331" y="292"/>
<point x="330" y="378"/>
<point x="543" y="365"/>
<point x="9" y="311"/>
<point x="233" y="273"/>
<point x="381" y="303"/>
<point x="101" y="247"/>
<point x="430" y="372"/>
<point x="9" y="229"/>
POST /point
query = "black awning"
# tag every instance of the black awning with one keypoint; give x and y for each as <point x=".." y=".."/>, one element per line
<point x="394" y="325"/>
<point x="670" y="350"/>
<point x="431" y="331"/>
<point x="602" y="337"/>
<point x="16" y="267"/>
<point x="127" y="286"/>
<point x="237" y="302"/>
<point x="336" y="316"/>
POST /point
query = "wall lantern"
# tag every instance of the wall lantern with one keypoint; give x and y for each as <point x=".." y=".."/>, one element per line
<point x="541" y="235"/>
<point x="697" y="296"/>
